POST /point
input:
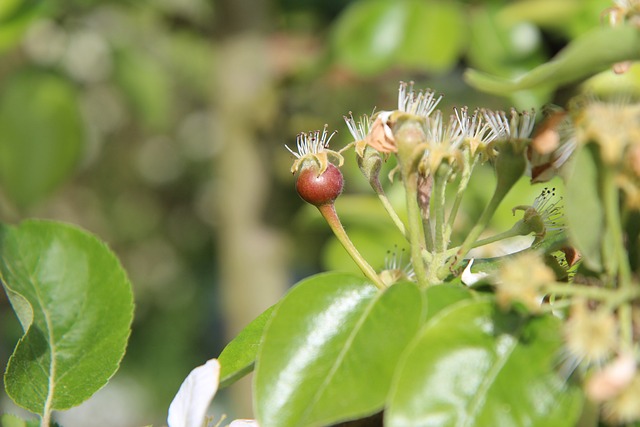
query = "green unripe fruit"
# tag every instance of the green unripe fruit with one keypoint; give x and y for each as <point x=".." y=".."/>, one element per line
<point x="320" y="189"/>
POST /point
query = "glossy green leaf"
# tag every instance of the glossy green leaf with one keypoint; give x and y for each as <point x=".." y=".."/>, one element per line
<point x="433" y="37"/>
<point x="368" y="34"/>
<point x="373" y="35"/>
<point x="474" y="365"/>
<point x="75" y="304"/>
<point x="584" y="208"/>
<point x="330" y="350"/>
<point x="41" y="135"/>
<point x="442" y="296"/>
<point x="238" y="357"/>
<point x="583" y="57"/>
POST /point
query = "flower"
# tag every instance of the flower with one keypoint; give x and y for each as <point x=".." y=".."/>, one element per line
<point x="377" y="130"/>
<point x="314" y="147"/>
<point x="395" y="268"/>
<point x="477" y="132"/>
<point x="189" y="406"/>
<point x="420" y="104"/>
<point x="522" y="279"/>
<point x="359" y="130"/>
<point x="443" y="142"/>
<point x="545" y="215"/>
<point x="614" y="126"/>
<point x="590" y="335"/>
<point x="516" y="127"/>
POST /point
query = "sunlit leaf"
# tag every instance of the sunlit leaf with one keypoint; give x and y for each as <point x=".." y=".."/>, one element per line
<point x="238" y="357"/>
<point x="583" y="57"/>
<point x="75" y="305"/>
<point x="368" y="34"/>
<point x="373" y="35"/>
<point x="473" y="365"/>
<point x="41" y="135"/>
<point x="331" y="348"/>
<point x="433" y="40"/>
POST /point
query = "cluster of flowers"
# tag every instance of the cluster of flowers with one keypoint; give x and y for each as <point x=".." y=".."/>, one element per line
<point x="611" y="126"/>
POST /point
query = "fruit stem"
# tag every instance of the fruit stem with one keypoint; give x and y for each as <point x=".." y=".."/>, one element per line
<point x="328" y="211"/>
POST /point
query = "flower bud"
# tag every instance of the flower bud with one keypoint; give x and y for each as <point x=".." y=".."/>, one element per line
<point x="370" y="163"/>
<point x="319" y="188"/>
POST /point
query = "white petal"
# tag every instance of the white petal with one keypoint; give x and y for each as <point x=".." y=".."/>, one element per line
<point x="469" y="278"/>
<point x="189" y="407"/>
<point x="244" y="423"/>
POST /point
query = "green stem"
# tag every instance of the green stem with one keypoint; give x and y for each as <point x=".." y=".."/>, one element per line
<point x="611" y="297"/>
<point x="480" y="226"/>
<point x="425" y="191"/>
<point x="620" y="262"/>
<point x="329" y="213"/>
<point x="509" y="165"/>
<point x="428" y="235"/>
<point x="440" y="186"/>
<point x="377" y="187"/>
<point x="410" y="139"/>
<point x="416" y="233"/>
<point x="518" y="229"/>
<point x="462" y="186"/>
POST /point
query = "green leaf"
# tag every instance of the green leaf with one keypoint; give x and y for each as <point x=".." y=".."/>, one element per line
<point x="473" y="365"/>
<point x="147" y="86"/>
<point x="75" y="304"/>
<point x="583" y="57"/>
<point x="330" y="350"/>
<point x="238" y="357"/>
<point x="584" y="208"/>
<point x="15" y="18"/>
<point x="442" y="296"/>
<point x="41" y="135"/>
<point x="373" y="35"/>
<point x="368" y="34"/>
<point x="10" y="420"/>
<point x="433" y="40"/>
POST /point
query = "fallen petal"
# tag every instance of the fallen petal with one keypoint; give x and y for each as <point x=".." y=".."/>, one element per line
<point x="189" y="407"/>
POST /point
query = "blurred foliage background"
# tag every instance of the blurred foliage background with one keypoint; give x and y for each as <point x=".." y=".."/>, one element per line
<point x="159" y="126"/>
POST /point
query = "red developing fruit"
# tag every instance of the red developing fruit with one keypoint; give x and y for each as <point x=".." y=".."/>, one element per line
<point x="320" y="189"/>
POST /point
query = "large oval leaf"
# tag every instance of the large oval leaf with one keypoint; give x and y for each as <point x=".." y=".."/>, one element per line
<point x="474" y="366"/>
<point x="41" y="135"/>
<point x="330" y="350"/>
<point x="75" y="304"/>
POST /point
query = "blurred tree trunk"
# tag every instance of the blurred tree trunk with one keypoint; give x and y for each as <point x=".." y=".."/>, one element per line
<point x="252" y="260"/>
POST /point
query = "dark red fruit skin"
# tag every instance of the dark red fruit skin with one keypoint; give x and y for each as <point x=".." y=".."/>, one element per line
<point x="319" y="190"/>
